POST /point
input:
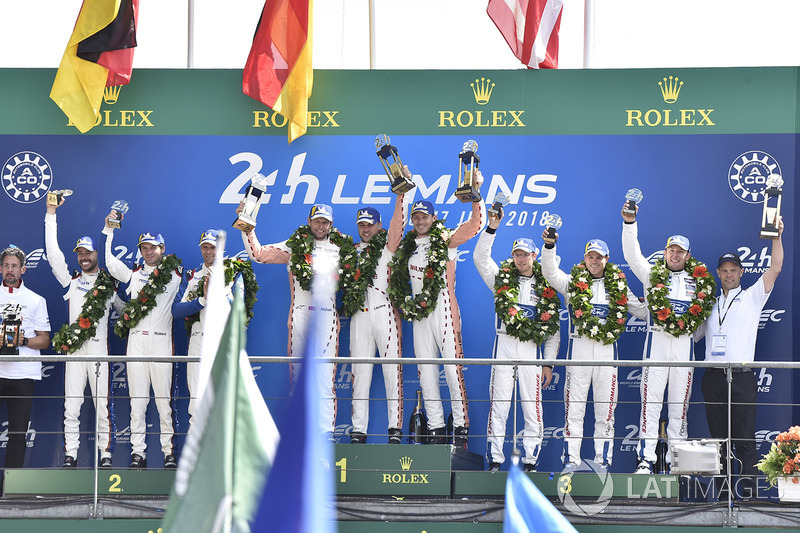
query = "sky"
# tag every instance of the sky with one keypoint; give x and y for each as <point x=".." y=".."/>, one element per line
<point x="430" y="34"/>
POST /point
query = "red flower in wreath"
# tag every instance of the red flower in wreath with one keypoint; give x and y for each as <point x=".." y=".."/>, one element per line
<point x="681" y="324"/>
<point x="357" y="275"/>
<point x="126" y="317"/>
<point x="701" y="295"/>
<point x="663" y="313"/>
<point x="143" y="299"/>
<point x="578" y="313"/>
<point x="700" y="272"/>
<point x="348" y="266"/>
<point x="582" y="285"/>
<point x="429" y="273"/>
<point x="620" y="321"/>
<point x="308" y="258"/>
<point x="659" y="285"/>
<point x="548" y="292"/>
<point x="64" y="348"/>
<point x="512" y="311"/>
<point x="84" y="322"/>
<point x="545" y="316"/>
<point x="621" y="275"/>
<point x="623" y="300"/>
<point x="423" y="303"/>
<point x="155" y="272"/>
<point x="696" y="310"/>
<point x="94" y="292"/>
<point x="504" y="288"/>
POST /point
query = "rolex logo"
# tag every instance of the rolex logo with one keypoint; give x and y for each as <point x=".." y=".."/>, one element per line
<point x="670" y="89"/>
<point x="110" y="94"/>
<point x="405" y="463"/>
<point x="482" y="89"/>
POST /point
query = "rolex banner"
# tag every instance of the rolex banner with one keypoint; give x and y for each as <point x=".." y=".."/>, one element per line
<point x="181" y="147"/>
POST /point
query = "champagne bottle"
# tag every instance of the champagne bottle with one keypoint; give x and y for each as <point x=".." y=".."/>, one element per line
<point x="661" y="466"/>
<point x="418" y="425"/>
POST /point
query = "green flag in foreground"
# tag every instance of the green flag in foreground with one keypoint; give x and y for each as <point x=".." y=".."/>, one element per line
<point x="230" y="445"/>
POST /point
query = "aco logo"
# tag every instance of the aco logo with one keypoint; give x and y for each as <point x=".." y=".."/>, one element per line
<point x="748" y="175"/>
<point x="27" y="176"/>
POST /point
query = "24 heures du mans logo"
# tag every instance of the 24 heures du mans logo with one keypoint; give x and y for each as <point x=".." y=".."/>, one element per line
<point x="481" y="118"/>
<point x="671" y="116"/>
<point x="121" y="118"/>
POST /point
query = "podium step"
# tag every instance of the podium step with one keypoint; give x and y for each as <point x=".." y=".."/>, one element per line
<point x="29" y="481"/>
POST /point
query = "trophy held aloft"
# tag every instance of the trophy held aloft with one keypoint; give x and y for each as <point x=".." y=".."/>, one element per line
<point x="246" y="220"/>
<point x="632" y="197"/>
<point x="772" y="208"/>
<point x="54" y="197"/>
<point x="12" y="322"/>
<point x="553" y="223"/>
<point x="468" y="162"/>
<point x="119" y="207"/>
<point x="392" y="165"/>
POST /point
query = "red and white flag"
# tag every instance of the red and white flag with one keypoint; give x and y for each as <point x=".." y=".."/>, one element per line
<point x="530" y="27"/>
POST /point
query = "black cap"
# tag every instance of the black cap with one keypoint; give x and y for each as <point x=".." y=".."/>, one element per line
<point x="733" y="258"/>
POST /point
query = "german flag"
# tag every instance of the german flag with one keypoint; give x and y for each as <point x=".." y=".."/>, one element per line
<point x="278" y="71"/>
<point x="99" y="54"/>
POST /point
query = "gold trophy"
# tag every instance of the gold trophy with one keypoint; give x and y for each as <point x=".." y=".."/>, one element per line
<point x="468" y="161"/>
<point x="12" y="321"/>
<point x="54" y="197"/>
<point x="119" y="207"/>
<point x="553" y="223"/>
<point x="246" y="220"/>
<point x="772" y="208"/>
<point x="392" y="165"/>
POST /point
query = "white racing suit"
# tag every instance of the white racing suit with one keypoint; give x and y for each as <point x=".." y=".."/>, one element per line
<point x="661" y="346"/>
<point x="440" y="332"/>
<point x="77" y="373"/>
<point x="151" y="336"/>
<point x="501" y="386"/>
<point x="377" y="327"/>
<point x="300" y="317"/>
<point x="602" y="379"/>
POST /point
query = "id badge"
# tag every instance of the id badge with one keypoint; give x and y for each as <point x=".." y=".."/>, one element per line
<point x="718" y="345"/>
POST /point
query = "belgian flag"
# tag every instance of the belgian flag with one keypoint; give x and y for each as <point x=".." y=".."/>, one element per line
<point x="278" y="71"/>
<point x="99" y="54"/>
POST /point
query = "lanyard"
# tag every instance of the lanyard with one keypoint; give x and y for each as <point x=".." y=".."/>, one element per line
<point x="728" y="308"/>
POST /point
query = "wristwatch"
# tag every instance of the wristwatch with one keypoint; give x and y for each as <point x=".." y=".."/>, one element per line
<point x="24" y="341"/>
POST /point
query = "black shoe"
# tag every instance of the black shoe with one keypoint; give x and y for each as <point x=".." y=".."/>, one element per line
<point x="395" y="436"/>
<point x="170" y="462"/>
<point x="138" y="462"/>
<point x="105" y="462"/>
<point x="528" y="467"/>
<point x="438" y="436"/>
<point x="494" y="467"/>
<point x="357" y="438"/>
<point x="460" y="437"/>
<point x="69" y="462"/>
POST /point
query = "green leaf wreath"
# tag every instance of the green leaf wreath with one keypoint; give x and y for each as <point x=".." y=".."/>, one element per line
<point x="700" y="307"/>
<point x="302" y="245"/>
<point x="506" y="298"/>
<point x="420" y="306"/>
<point x="72" y="336"/>
<point x="138" y="308"/>
<point x="363" y="274"/>
<point x="233" y="267"/>
<point x="580" y="297"/>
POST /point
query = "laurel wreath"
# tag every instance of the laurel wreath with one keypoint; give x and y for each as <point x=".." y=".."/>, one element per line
<point x="363" y="274"/>
<point x="301" y="259"/>
<point x="506" y="298"/>
<point x="72" y="336"/>
<point x="418" y="307"/>
<point x="233" y="267"/>
<point x="699" y="308"/>
<point x="138" y="308"/>
<point x="580" y="297"/>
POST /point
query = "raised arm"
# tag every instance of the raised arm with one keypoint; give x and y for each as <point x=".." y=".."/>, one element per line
<point x="277" y="253"/>
<point x="116" y="268"/>
<point x="470" y="227"/>
<point x="556" y="277"/>
<point x="774" y="269"/>
<point x="631" y="249"/>
<point x="398" y="223"/>
<point x="58" y="263"/>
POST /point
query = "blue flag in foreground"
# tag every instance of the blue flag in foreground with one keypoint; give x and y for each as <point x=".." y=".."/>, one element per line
<point x="298" y="497"/>
<point x="527" y="509"/>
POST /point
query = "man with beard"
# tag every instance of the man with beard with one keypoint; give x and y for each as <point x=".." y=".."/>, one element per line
<point x="17" y="378"/>
<point x="147" y="321"/>
<point x="679" y="293"/>
<point x="99" y="289"/>
<point x="422" y="286"/>
<point x="599" y="299"/>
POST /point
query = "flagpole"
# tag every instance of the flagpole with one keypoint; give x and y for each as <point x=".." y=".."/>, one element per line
<point x="190" y="37"/>
<point x="588" y="33"/>
<point x="371" y="34"/>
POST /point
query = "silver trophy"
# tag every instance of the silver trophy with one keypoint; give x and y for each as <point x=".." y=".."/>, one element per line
<point x="633" y="197"/>
<point x="12" y="321"/>
<point x="772" y="208"/>
<point x="252" y="201"/>
<point x="392" y="165"/>
<point x="499" y="202"/>
<point x="55" y="197"/>
<point x="553" y="223"/>
<point x="119" y="207"/>
<point x="468" y="161"/>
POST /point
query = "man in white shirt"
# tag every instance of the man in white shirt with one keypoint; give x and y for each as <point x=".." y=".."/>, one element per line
<point x="730" y="334"/>
<point x="17" y="378"/>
